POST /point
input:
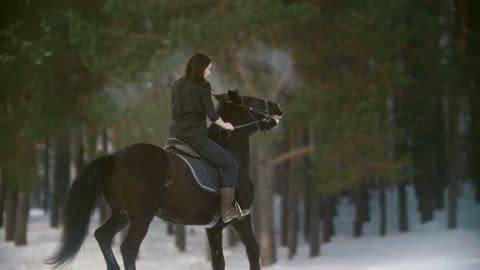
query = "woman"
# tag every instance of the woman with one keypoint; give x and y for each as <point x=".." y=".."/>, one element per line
<point x="191" y="102"/>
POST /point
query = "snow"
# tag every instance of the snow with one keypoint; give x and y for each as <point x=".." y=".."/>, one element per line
<point x="426" y="246"/>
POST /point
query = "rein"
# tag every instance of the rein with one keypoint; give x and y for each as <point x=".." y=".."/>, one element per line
<point x="267" y="117"/>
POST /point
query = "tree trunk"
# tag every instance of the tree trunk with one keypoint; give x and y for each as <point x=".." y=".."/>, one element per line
<point x="402" y="208"/>
<point x="326" y="212"/>
<point x="474" y="142"/>
<point x="474" y="53"/>
<point x="61" y="180"/>
<point x="180" y="237"/>
<point x="423" y="179"/>
<point x="2" y="197"/>
<point x="333" y="213"/>
<point x="359" y="212"/>
<point x="91" y="142"/>
<point x="10" y="215"/>
<point x="292" y="198"/>
<point x="474" y="135"/>
<point x="79" y="152"/>
<point x="439" y="156"/>
<point x="46" y="175"/>
<point x="454" y="164"/>
<point x="284" y="203"/>
<point x="383" y="210"/>
<point x="477" y="189"/>
<point x="264" y="189"/>
<point x="254" y="173"/>
<point x="306" y="208"/>
<point x="314" y="226"/>
<point x="21" y="220"/>
<point x="366" y="203"/>
<point x="104" y="208"/>
<point x="440" y="180"/>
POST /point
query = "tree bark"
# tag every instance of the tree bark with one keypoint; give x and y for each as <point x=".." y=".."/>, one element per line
<point x="264" y="189"/>
<point x="292" y="198"/>
<point x="11" y="205"/>
<point x="21" y="220"/>
<point x="402" y="208"/>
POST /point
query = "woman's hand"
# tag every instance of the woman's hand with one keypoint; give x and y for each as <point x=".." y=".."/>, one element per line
<point x="225" y="125"/>
<point x="228" y="126"/>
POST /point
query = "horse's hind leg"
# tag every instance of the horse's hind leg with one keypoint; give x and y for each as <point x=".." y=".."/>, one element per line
<point x="131" y="244"/>
<point x="244" y="230"/>
<point x="105" y="234"/>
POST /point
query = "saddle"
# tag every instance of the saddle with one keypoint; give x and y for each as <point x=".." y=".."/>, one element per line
<point x="206" y="175"/>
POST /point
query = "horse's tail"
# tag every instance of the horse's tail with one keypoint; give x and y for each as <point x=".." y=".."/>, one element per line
<point x="78" y="209"/>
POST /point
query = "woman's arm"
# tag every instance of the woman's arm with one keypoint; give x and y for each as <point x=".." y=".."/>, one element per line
<point x="206" y="97"/>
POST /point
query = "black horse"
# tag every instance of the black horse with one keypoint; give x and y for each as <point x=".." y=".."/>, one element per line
<point x="142" y="181"/>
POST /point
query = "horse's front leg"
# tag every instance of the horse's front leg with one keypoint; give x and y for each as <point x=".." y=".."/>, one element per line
<point x="216" y="250"/>
<point x="244" y="230"/>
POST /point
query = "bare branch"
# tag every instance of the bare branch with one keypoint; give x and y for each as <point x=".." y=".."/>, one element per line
<point x="291" y="155"/>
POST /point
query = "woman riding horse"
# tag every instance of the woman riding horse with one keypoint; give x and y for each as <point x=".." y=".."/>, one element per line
<point x="142" y="181"/>
<point x="191" y="101"/>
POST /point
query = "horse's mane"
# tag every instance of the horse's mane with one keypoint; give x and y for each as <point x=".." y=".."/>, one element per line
<point x="215" y="132"/>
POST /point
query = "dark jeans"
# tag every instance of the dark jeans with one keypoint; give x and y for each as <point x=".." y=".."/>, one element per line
<point x="221" y="158"/>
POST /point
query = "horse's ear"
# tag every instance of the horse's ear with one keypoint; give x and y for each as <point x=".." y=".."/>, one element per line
<point x="221" y="97"/>
<point x="234" y="96"/>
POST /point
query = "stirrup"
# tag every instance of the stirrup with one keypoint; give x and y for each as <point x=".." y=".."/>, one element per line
<point x="243" y="213"/>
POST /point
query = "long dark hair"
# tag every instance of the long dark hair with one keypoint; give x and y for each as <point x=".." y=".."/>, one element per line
<point x="196" y="66"/>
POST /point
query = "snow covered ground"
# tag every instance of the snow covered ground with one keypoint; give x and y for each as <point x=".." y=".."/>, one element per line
<point x="426" y="246"/>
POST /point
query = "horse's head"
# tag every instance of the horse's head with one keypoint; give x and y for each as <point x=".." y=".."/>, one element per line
<point x="247" y="112"/>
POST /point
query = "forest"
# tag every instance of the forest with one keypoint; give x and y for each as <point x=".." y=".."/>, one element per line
<point x="377" y="95"/>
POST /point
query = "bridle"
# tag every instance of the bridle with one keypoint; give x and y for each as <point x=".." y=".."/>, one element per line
<point x="266" y="115"/>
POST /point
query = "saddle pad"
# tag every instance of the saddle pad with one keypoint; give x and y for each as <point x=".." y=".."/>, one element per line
<point x="205" y="175"/>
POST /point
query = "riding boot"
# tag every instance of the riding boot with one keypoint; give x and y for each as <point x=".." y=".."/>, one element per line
<point x="227" y="211"/>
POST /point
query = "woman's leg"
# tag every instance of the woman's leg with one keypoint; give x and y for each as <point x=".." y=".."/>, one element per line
<point x="217" y="155"/>
<point x="221" y="158"/>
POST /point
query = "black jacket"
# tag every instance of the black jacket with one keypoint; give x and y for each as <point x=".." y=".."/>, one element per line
<point x="190" y="104"/>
